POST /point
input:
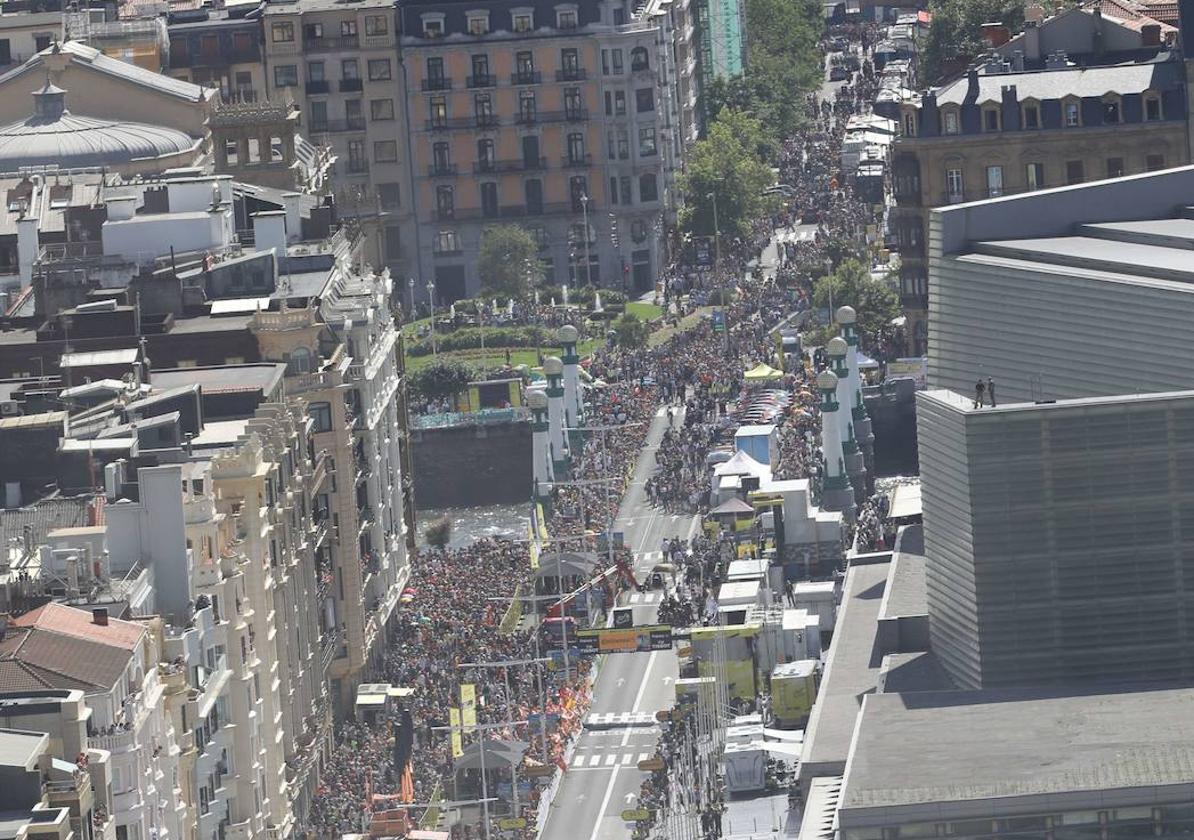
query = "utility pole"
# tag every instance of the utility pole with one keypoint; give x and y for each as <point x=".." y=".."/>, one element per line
<point x="584" y="206"/>
<point x="431" y="300"/>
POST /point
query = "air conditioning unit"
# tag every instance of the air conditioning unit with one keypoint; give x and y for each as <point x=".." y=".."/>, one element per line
<point x="10" y="408"/>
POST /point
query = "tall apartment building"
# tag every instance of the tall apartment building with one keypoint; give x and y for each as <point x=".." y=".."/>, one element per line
<point x="553" y="116"/>
<point x="356" y="400"/>
<point x="339" y="63"/>
<point x="220" y="48"/>
<point x="1031" y="116"/>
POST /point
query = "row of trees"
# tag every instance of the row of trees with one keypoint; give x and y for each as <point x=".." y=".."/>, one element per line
<point x="727" y="171"/>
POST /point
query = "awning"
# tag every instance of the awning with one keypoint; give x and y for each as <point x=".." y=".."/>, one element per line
<point x="498" y="755"/>
<point x="865" y="361"/>
<point x="559" y="563"/>
<point x="763" y="372"/>
<point x="732" y="506"/>
<point x="905" y="501"/>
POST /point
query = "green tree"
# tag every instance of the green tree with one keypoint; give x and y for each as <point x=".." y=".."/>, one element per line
<point x="441" y="380"/>
<point x="850" y="284"/>
<point x="955" y="34"/>
<point x="438" y="532"/>
<point x="630" y="332"/>
<point x="726" y="170"/>
<point x="509" y="263"/>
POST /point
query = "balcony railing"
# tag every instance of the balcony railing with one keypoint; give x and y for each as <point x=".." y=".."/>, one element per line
<point x="351" y="85"/>
<point x="582" y="161"/>
<point x="344" y="42"/>
<point x="484" y="166"/>
<point x="482" y="81"/>
<point x="442" y="170"/>
<point x="476" y="121"/>
<point x="318" y="87"/>
<point x="486" y="121"/>
<point x="526" y="77"/>
<point x="330" y="646"/>
<point x="572" y="74"/>
<point x="437" y="83"/>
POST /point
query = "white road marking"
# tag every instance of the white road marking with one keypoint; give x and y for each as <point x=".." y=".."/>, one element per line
<point x="609" y="792"/>
<point x="642" y="689"/>
<point x="627" y="759"/>
<point x="610" y="759"/>
<point x="643" y="756"/>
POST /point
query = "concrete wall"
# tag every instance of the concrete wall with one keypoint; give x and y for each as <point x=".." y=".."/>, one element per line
<point x="468" y="466"/>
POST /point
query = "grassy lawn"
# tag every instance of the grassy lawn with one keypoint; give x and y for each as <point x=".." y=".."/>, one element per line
<point x="644" y="311"/>
<point x="686" y="323"/>
<point x="496" y="356"/>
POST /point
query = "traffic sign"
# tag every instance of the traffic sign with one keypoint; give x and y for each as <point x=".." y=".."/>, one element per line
<point x="635" y="814"/>
<point x="651" y="764"/>
<point x="512" y="823"/>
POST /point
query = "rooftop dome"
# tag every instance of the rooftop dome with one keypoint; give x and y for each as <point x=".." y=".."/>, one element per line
<point x="846" y="315"/>
<point x="52" y="136"/>
<point x="836" y="346"/>
<point x="827" y="380"/>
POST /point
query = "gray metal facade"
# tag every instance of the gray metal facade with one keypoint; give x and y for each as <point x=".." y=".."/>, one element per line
<point x="1060" y="539"/>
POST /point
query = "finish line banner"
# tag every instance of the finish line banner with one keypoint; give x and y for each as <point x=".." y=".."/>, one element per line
<point x="628" y="640"/>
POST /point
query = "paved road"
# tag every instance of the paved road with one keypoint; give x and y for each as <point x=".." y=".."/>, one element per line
<point x="603" y="778"/>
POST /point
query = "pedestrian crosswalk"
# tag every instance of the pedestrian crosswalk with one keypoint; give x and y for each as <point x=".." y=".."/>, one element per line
<point x="637" y="598"/>
<point x="603" y="760"/>
<point x="652" y="556"/>
<point x="618" y="720"/>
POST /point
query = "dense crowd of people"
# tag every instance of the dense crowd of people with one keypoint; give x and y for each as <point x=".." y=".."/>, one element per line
<point x="450" y="617"/>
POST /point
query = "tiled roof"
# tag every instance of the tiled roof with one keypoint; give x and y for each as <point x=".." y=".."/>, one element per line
<point x="1044" y="85"/>
<point x="44" y="516"/>
<point x="89" y="56"/>
<point x="79" y="624"/>
<point x="61" y="661"/>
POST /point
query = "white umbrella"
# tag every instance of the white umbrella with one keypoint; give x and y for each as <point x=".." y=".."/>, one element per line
<point x="565" y="294"/>
<point x="597" y="302"/>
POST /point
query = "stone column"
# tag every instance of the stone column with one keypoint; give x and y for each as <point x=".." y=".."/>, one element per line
<point x="855" y="465"/>
<point x="554" y="369"/>
<point x="573" y="398"/>
<point x="540" y="446"/>
<point x="864" y="435"/>
<point x="836" y="493"/>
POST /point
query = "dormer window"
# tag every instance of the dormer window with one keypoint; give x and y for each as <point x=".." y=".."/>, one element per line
<point x="1112" y="115"/>
<point x="991" y="121"/>
<point x="1152" y="107"/>
<point x="478" y="23"/>
<point x="949" y="121"/>
<point x="1031" y="115"/>
<point x="522" y="20"/>
<point x="1071" y="111"/>
<point x="566" y="17"/>
<point x="909" y="124"/>
<point x="433" y="25"/>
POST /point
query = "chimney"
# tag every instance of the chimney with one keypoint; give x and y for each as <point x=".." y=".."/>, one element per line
<point x="1018" y="61"/>
<point x="972" y="85"/>
<point x="292" y="203"/>
<point x="1032" y="41"/>
<point x="121" y="207"/>
<point x="269" y="231"/>
<point x="99" y="616"/>
<point x="995" y="34"/>
<point x="1150" y="35"/>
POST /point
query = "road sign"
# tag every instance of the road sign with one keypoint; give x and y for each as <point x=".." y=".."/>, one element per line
<point x="651" y="764"/>
<point x="719" y="320"/>
<point x="512" y="823"/>
<point x="625" y="640"/>
<point x="623" y="618"/>
<point x="635" y="814"/>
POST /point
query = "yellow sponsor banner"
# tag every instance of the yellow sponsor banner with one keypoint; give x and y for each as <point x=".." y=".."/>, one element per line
<point x="468" y="705"/>
<point x="533" y="544"/>
<point x="457" y="740"/>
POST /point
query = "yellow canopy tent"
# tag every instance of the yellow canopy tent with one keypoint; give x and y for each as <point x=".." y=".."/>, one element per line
<point x="763" y="372"/>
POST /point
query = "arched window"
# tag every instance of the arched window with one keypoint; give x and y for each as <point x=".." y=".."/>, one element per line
<point x="647" y="187"/>
<point x="298" y="361"/>
<point x="639" y="59"/>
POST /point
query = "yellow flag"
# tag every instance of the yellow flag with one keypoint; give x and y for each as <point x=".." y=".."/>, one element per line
<point x="468" y="705"/>
<point x="457" y="741"/>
